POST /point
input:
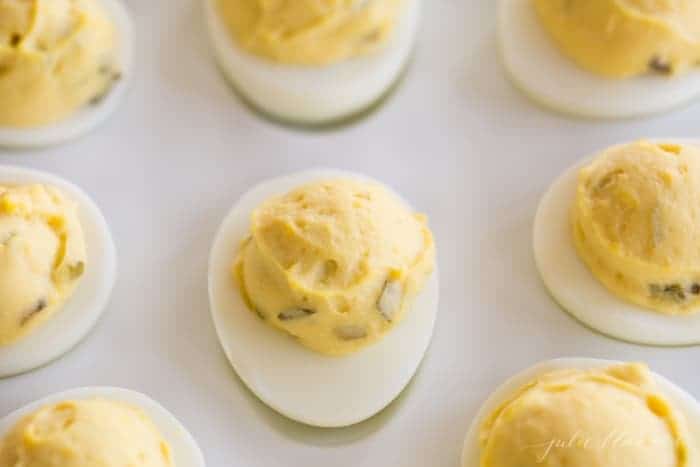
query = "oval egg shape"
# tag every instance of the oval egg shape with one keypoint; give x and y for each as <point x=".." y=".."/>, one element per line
<point x="542" y="72"/>
<point x="305" y="386"/>
<point x="578" y="292"/>
<point x="73" y="322"/>
<point x="88" y="118"/>
<point x="312" y="95"/>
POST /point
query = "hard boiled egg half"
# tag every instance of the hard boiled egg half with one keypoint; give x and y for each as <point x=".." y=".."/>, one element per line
<point x="85" y="52"/>
<point x="583" y="412"/>
<point x="38" y="279"/>
<point x="358" y="337"/>
<point x="97" y="426"/>
<point x="615" y="59"/>
<point x="322" y="81"/>
<point x="614" y="242"/>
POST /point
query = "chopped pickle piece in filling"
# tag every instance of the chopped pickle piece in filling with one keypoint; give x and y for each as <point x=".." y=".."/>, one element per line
<point x="42" y="257"/>
<point x="85" y="433"/>
<point x="625" y="38"/>
<point x="335" y="263"/>
<point x="311" y="32"/>
<point x="56" y="56"/>
<point x="612" y="417"/>
<point x="636" y="224"/>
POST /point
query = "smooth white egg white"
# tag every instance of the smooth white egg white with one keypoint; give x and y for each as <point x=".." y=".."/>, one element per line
<point x="544" y="73"/>
<point x="183" y="448"/>
<point x="575" y="288"/>
<point x="79" y="315"/>
<point x="315" y="95"/>
<point x="296" y="382"/>
<point x="90" y="116"/>
<point x="680" y="399"/>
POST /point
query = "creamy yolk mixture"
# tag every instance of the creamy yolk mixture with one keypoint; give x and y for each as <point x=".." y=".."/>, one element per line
<point x="85" y="433"/>
<point x="625" y="38"/>
<point x="336" y="264"/>
<point x="636" y="224"/>
<point x="56" y="57"/>
<point x="612" y="417"/>
<point x="311" y="32"/>
<point x="42" y="257"/>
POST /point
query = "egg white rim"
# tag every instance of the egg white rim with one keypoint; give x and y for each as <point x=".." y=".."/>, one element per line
<point x="294" y="381"/>
<point x="576" y="289"/>
<point x="184" y="449"/>
<point x="680" y="399"/>
<point x="316" y="87"/>
<point x="90" y="116"/>
<point x="547" y="76"/>
<point x="71" y="324"/>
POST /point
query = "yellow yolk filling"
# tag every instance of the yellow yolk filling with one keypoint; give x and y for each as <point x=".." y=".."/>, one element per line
<point x="335" y="264"/>
<point x="625" y="38"/>
<point x="612" y="417"/>
<point x="42" y="257"/>
<point x="56" y="56"/>
<point x="636" y="224"/>
<point x="85" y="433"/>
<point x="311" y="32"/>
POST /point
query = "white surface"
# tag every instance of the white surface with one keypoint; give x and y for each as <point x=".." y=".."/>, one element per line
<point x="457" y="140"/>
<point x="573" y="286"/>
<point x="677" y="396"/>
<point x="183" y="448"/>
<point x="91" y="116"/>
<point x="548" y="76"/>
<point x="281" y="372"/>
<point x="309" y="94"/>
<point x="73" y="322"/>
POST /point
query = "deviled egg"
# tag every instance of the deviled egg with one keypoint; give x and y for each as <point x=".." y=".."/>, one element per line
<point x="64" y="67"/>
<point x="324" y="295"/>
<point x="583" y="413"/>
<point x="603" y="58"/>
<point x="57" y="268"/>
<point x="96" y="426"/>
<point x="310" y="62"/>
<point x="615" y="242"/>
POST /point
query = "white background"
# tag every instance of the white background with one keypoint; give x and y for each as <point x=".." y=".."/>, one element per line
<point x="457" y="140"/>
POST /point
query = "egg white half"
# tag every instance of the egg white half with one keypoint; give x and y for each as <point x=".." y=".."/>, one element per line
<point x="183" y="448"/>
<point x="680" y="399"/>
<point x="296" y="382"/>
<point x="574" y="287"/>
<point x="73" y="322"/>
<point x="90" y="116"/>
<point x="309" y="95"/>
<point x="544" y="73"/>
